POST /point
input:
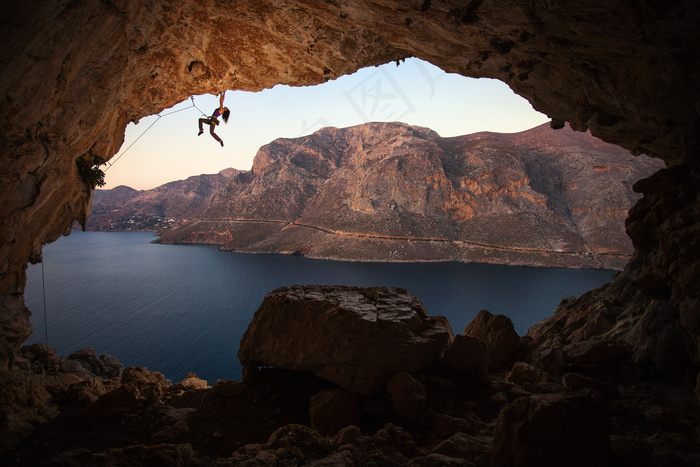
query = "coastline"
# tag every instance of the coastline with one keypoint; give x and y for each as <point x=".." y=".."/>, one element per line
<point x="469" y="253"/>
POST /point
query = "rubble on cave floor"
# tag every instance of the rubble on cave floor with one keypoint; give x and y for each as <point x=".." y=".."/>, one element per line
<point x="490" y="397"/>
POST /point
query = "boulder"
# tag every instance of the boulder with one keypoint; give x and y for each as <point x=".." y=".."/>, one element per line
<point x="227" y="388"/>
<point x="594" y="351"/>
<point x="105" y="366"/>
<point x="190" y="382"/>
<point x="300" y="437"/>
<point x="464" y="446"/>
<point x="522" y="373"/>
<point x="334" y="409"/>
<point x="553" y="430"/>
<point x="466" y="354"/>
<point x="575" y="382"/>
<point x="407" y="395"/>
<point x="139" y="387"/>
<point x="76" y="367"/>
<point x="499" y="335"/>
<point x="444" y="425"/>
<point x="548" y="358"/>
<point x="349" y="435"/>
<point x="85" y="392"/>
<point x="38" y="351"/>
<point x="354" y="337"/>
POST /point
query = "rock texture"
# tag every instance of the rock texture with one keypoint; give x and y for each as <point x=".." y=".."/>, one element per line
<point x="354" y="337"/>
<point x="74" y="74"/>
<point x="530" y="415"/>
<point x="123" y="208"/>
<point x="586" y="65"/>
<point x="552" y="429"/>
<point x="390" y="191"/>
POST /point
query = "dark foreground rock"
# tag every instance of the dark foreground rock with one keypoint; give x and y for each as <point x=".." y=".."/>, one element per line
<point x="553" y="430"/>
<point x="547" y="407"/>
<point x="354" y="337"/>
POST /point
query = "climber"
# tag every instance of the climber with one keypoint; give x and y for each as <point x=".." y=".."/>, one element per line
<point x="212" y="121"/>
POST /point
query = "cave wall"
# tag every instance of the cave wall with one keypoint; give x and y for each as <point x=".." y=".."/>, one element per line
<point x="75" y="72"/>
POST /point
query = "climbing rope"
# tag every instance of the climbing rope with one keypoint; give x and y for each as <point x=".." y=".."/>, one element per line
<point x="200" y="110"/>
<point x="43" y="291"/>
<point x="110" y="164"/>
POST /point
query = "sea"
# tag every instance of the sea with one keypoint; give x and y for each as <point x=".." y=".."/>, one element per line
<point x="184" y="308"/>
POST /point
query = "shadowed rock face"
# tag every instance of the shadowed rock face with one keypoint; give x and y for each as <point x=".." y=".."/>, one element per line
<point x="355" y="337"/>
<point x="75" y="73"/>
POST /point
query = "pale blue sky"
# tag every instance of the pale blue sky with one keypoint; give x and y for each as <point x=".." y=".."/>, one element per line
<point x="414" y="92"/>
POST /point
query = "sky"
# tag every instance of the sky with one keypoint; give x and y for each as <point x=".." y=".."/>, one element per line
<point x="166" y="148"/>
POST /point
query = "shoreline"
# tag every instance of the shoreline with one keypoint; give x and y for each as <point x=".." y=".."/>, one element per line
<point x="587" y="262"/>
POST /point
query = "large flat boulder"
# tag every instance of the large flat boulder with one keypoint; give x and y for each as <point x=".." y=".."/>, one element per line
<point x="354" y="337"/>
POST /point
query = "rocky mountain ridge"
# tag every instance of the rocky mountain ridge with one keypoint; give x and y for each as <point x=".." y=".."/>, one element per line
<point x="395" y="192"/>
<point x="124" y="208"/>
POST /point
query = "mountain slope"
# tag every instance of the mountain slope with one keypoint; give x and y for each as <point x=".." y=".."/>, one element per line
<point x="390" y="191"/>
<point x="123" y="208"/>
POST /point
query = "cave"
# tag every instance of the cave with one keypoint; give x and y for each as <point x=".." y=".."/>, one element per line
<point x="76" y="72"/>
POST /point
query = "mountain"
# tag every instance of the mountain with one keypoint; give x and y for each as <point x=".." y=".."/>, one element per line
<point x="123" y="208"/>
<point x="395" y="192"/>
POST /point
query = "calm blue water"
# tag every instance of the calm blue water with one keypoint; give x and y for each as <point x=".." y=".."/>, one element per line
<point x="180" y="308"/>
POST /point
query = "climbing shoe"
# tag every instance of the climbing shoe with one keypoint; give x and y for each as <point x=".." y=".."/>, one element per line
<point x="200" y="132"/>
<point x="222" y="143"/>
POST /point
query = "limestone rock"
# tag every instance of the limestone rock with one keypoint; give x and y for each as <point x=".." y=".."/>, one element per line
<point x="439" y="460"/>
<point x="499" y="335"/>
<point x="190" y="382"/>
<point x="576" y="382"/>
<point x="123" y="207"/>
<point x="548" y="358"/>
<point x="445" y="425"/>
<point x="104" y="366"/>
<point x="38" y="351"/>
<point x="348" y="435"/>
<point x="552" y="430"/>
<point x="466" y="354"/>
<point x="161" y="454"/>
<point x="338" y="184"/>
<point x="139" y="387"/>
<point x="572" y="60"/>
<point x="522" y="373"/>
<point x="461" y="445"/>
<point x="86" y="392"/>
<point x="594" y="351"/>
<point x="77" y="367"/>
<point x="407" y="395"/>
<point x="354" y="337"/>
<point x="334" y="409"/>
<point x="227" y="388"/>
<point x="294" y="437"/>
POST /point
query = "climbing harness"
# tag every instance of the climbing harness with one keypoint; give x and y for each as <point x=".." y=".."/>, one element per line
<point x="110" y="164"/>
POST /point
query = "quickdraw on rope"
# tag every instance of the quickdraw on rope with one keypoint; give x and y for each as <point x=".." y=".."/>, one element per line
<point x="110" y="164"/>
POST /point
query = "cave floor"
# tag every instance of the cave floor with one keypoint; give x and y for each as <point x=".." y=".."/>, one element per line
<point x="652" y="422"/>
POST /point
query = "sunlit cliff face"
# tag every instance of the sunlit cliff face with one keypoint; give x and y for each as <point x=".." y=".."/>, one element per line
<point x="75" y="73"/>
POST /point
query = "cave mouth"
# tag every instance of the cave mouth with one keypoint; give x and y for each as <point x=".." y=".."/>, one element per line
<point x="412" y="91"/>
<point x="181" y="119"/>
<point x="628" y="71"/>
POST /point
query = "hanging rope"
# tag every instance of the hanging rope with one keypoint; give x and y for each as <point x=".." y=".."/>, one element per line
<point x="200" y="110"/>
<point x="110" y="164"/>
<point x="43" y="291"/>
